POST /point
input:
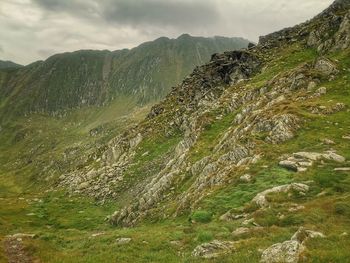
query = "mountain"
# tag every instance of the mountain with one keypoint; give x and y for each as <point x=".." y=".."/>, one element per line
<point x="246" y="160"/>
<point x="8" y="64"/>
<point x="87" y="77"/>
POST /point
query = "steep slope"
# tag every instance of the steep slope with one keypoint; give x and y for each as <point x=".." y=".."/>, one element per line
<point x="85" y="78"/>
<point x="246" y="161"/>
<point x="244" y="111"/>
<point x="8" y="64"/>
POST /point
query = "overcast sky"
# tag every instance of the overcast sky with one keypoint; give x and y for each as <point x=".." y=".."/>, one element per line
<point x="35" y="29"/>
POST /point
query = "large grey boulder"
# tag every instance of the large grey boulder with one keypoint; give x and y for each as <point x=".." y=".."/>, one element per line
<point x="286" y="252"/>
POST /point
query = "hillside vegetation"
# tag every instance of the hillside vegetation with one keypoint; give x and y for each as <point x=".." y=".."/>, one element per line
<point x="247" y="160"/>
<point x="96" y="78"/>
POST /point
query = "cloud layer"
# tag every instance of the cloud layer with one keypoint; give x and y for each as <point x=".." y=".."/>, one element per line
<point x="35" y="29"/>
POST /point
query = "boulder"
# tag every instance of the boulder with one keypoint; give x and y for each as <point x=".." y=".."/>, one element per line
<point x="325" y="66"/>
<point x="286" y="252"/>
<point x="214" y="249"/>
<point x="123" y="240"/>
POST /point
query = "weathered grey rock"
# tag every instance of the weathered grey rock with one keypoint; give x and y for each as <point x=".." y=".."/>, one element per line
<point x="246" y="178"/>
<point x="290" y="165"/>
<point x="303" y="234"/>
<point x="123" y="240"/>
<point x="334" y="157"/>
<point x="286" y="252"/>
<point x="342" y="169"/>
<point x="321" y="91"/>
<point x="328" y="141"/>
<point x="325" y="66"/>
<point x="245" y="230"/>
<point x="230" y="216"/>
<point x="260" y="199"/>
<point x="214" y="249"/>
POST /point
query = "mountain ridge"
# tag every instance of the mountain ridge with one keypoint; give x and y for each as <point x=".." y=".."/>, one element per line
<point x="90" y="77"/>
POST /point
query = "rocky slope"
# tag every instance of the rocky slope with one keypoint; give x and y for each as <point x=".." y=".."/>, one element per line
<point x="247" y="160"/>
<point x="260" y="98"/>
<point x="87" y="77"/>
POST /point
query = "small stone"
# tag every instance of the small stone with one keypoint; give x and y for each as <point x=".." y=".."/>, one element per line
<point x="240" y="231"/>
<point x="328" y="141"/>
<point x="247" y="178"/>
<point x="311" y="85"/>
<point x="97" y="234"/>
<point x="123" y="240"/>
<point x="321" y="91"/>
<point x="344" y="234"/>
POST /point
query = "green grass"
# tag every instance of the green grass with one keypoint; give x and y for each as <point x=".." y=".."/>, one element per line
<point x="211" y="134"/>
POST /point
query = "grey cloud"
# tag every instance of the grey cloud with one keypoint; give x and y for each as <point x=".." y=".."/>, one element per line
<point x="160" y="12"/>
<point x="36" y="29"/>
<point x="175" y="13"/>
<point x="1" y="49"/>
<point x="84" y="8"/>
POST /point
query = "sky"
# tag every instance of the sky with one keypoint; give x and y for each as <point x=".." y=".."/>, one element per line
<point x="33" y="30"/>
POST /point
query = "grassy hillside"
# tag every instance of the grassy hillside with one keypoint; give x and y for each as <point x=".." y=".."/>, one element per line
<point x="251" y="149"/>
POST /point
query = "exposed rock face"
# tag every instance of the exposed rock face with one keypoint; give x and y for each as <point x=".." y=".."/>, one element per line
<point x="213" y="249"/>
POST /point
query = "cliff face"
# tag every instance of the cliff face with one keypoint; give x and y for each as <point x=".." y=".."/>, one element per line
<point x="86" y="78"/>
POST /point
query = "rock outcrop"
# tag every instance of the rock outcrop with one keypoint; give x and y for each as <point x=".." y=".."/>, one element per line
<point x="299" y="162"/>
<point x="260" y="199"/>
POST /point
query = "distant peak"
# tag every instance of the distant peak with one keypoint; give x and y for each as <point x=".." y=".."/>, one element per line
<point x="184" y="36"/>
